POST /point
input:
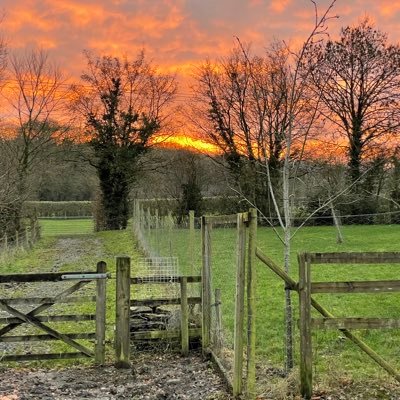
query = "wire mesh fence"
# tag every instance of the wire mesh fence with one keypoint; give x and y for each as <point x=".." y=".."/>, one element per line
<point x="164" y="235"/>
<point x="23" y="238"/>
<point x="171" y="249"/>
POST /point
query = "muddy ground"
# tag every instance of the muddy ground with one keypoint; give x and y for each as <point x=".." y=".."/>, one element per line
<point x="158" y="376"/>
<point x="152" y="377"/>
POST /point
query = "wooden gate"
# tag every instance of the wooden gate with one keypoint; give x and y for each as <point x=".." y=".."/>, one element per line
<point x="35" y="318"/>
<point x="305" y="287"/>
<point x="123" y="335"/>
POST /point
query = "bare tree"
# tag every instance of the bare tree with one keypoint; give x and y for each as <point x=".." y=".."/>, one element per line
<point x="124" y="104"/>
<point x="36" y="103"/>
<point x="358" y="81"/>
<point x="261" y="110"/>
<point x="8" y="196"/>
<point x="245" y="99"/>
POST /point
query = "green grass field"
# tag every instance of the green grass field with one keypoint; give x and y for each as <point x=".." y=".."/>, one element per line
<point x="334" y="357"/>
<point x="331" y="351"/>
<point x="55" y="227"/>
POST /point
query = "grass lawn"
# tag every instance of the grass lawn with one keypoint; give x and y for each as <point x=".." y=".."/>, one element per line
<point x="55" y="227"/>
<point x="331" y="352"/>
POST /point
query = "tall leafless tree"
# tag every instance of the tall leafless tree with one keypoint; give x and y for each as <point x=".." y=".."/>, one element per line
<point x="36" y="100"/>
<point x="245" y="100"/>
<point x="358" y="78"/>
<point x="261" y="112"/>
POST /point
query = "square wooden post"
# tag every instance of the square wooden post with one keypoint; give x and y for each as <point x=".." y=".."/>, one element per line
<point x="191" y="242"/>
<point x="184" y="317"/>
<point x="122" y="331"/>
<point x="206" y="282"/>
<point x="101" y="299"/>
<point x="251" y="306"/>
<point x="305" y="327"/>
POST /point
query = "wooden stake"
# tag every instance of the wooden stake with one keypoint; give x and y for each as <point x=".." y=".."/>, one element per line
<point x="122" y="332"/>
<point x="191" y="241"/>
<point x="239" y="306"/>
<point x="184" y="317"/>
<point x="206" y="282"/>
<point x="218" y="319"/>
<point x="305" y="327"/>
<point x="251" y="306"/>
<point x="101" y="300"/>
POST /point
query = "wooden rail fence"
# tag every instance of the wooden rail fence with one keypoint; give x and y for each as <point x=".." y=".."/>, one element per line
<point x="15" y="318"/>
<point x="124" y="302"/>
<point x="305" y="287"/>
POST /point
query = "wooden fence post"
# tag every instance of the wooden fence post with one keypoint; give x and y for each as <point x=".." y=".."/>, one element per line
<point x="251" y="306"/>
<point x="122" y="332"/>
<point x="101" y="298"/>
<point x="191" y="241"/>
<point x="239" y="306"/>
<point x="206" y="282"/>
<point x="149" y="220"/>
<point x="16" y="239"/>
<point x="305" y="327"/>
<point x="184" y="317"/>
<point x="5" y="242"/>
<point x="26" y="237"/>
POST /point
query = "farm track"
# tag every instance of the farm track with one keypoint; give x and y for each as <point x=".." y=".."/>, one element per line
<point x="153" y="375"/>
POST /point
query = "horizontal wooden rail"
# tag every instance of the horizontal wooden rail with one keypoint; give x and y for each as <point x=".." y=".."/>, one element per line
<point x="354" y="258"/>
<point x="38" y="338"/>
<point x="164" y="279"/>
<point x="356" y="287"/>
<point x="53" y="300"/>
<point x="48" y="356"/>
<point x="51" y="318"/>
<point x="163" y="302"/>
<point x="221" y="219"/>
<point x="170" y="334"/>
<point x="43" y="277"/>
<point x="355" y="323"/>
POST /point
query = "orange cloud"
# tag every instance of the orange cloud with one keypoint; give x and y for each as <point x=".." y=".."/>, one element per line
<point x="279" y="6"/>
<point x="388" y="9"/>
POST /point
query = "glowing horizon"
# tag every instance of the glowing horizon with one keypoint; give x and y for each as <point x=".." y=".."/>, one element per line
<point x="177" y="35"/>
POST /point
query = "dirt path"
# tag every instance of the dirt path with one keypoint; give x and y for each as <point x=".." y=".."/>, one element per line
<point x="153" y="377"/>
<point x="76" y="250"/>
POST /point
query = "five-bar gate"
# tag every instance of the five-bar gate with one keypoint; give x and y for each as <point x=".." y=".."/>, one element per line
<point x="14" y="314"/>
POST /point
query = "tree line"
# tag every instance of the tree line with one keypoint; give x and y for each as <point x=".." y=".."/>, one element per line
<point x="261" y="111"/>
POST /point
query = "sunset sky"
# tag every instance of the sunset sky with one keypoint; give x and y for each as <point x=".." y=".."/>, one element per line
<point x="176" y="34"/>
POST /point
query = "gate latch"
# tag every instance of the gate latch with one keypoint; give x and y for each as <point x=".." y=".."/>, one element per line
<point x="87" y="277"/>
